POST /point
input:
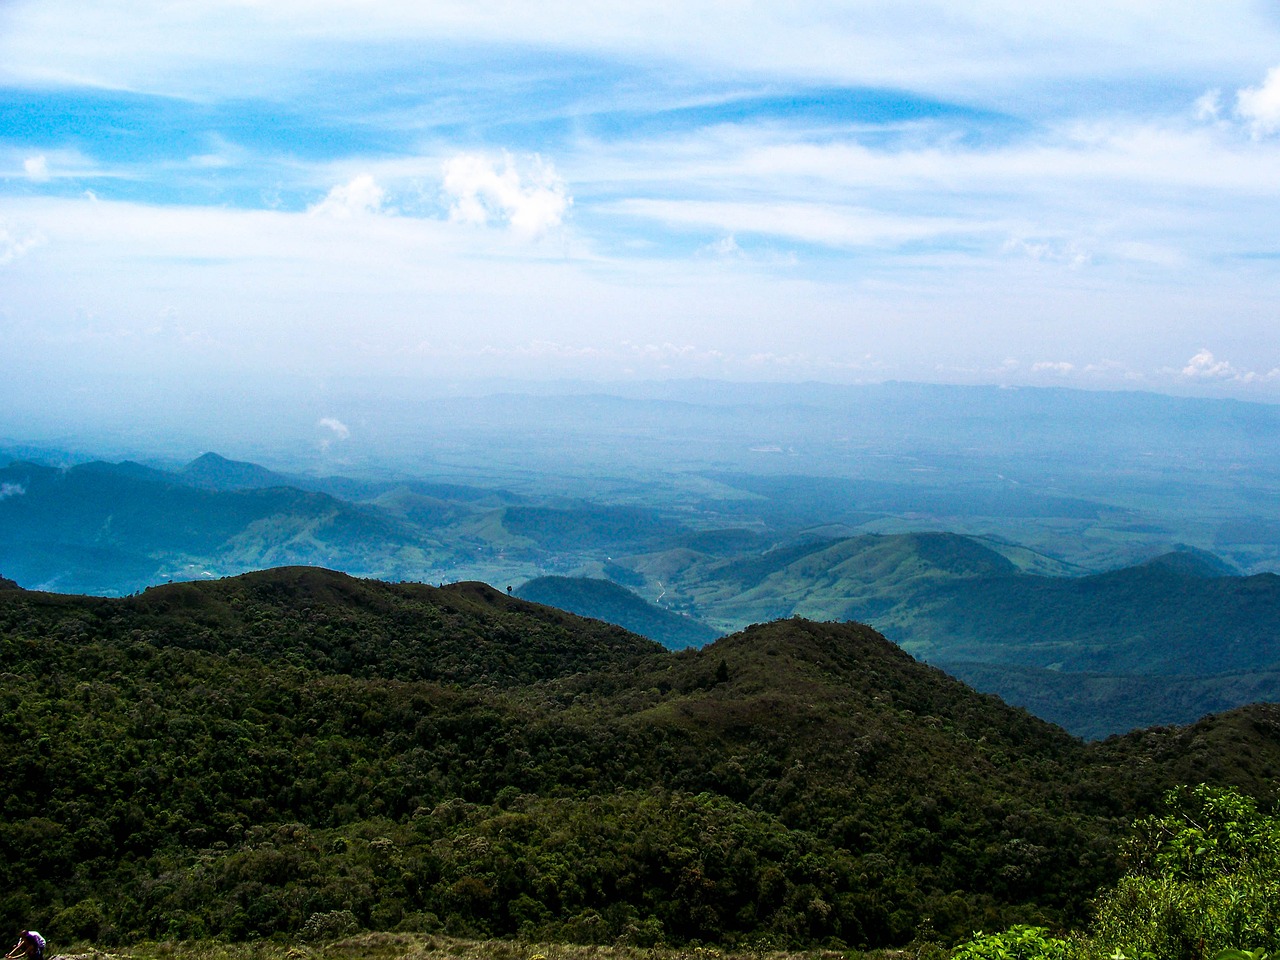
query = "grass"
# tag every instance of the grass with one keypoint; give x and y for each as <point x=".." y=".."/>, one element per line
<point x="417" y="946"/>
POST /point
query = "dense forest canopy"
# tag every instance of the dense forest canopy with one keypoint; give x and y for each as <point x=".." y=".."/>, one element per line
<point x="282" y="751"/>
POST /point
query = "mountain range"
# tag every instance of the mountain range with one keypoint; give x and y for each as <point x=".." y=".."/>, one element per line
<point x="1163" y="641"/>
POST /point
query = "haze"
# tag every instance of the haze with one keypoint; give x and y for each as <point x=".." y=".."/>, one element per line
<point x="209" y="200"/>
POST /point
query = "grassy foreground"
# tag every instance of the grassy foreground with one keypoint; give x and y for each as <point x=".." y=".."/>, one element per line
<point x="417" y="946"/>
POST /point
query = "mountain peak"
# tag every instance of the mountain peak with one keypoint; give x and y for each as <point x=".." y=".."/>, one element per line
<point x="1190" y="562"/>
<point x="206" y="460"/>
<point x="215" y="472"/>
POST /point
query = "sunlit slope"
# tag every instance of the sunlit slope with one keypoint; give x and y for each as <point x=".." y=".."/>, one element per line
<point x="952" y="598"/>
<point x="870" y="578"/>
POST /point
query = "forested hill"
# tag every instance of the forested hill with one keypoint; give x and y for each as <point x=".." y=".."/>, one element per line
<point x="328" y="621"/>
<point x="297" y="751"/>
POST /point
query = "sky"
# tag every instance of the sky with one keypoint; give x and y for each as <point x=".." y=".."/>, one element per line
<point x="1005" y="192"/>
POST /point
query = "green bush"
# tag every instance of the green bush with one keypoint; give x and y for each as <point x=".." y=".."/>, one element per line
<point x="1016" y="943"/>
<point x="1204" y="882"/>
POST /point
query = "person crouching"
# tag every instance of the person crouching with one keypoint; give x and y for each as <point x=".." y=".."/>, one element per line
<point x="30" y="945"/>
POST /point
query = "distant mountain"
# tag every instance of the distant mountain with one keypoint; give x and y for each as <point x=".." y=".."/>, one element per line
<point x="861" y="578"/>
<point x="214" y="472"/>
<point x="570" y="528"/>
<point x="608" y="601"/>
<point x="1191" y="562"/>
<point x="1173" y="617"/>
<point x="803" y="500"/>
<point x="116" y="528"/>
<point x="1097" y="705"/>
<point x="977" y="607"/>
<point x="954" y="598"/>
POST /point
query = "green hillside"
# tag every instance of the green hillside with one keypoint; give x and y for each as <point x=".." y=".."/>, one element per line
<point x="116" y="528"/>
<point x="723" y="558"/>
<point x="605" y="600"/>
<point x="1150" y="619"/>
<point x="988" y="611"/>
<point x="245" y="757"/>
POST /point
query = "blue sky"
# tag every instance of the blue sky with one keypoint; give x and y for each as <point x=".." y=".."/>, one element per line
<point x="1080" y="194"/>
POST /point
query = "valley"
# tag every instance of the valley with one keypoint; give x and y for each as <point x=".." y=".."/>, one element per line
<point x="965" y="524"/>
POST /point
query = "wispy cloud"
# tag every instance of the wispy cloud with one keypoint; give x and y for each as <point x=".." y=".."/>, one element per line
<point x="36" y="168"/>
<point x="360" y="197"/>
<point x="339" y="429"/>
<point x="335" y="432"/>
<point x="1260" y="106"/>
<point x="14" y="243"/>
<point x="827" y="224"/>
<point x="739" y="189"/>
<point x="933" y="44"/>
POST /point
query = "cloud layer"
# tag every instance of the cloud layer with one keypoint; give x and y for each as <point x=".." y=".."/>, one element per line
<point x="999" y="192"/>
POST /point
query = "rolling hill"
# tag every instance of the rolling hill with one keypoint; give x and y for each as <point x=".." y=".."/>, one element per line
<point x="984" y="608"/>
<point x="1165" y="641"/>
<point x="117" y="528"/>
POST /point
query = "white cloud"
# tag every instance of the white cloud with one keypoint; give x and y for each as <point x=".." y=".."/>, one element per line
<point x="481" y="191"/>
<point x="1047" y="366"/>
<point x="360" y="197"/>
<point x="1051" y="250"/>
<point x="334" y="294"/>
<point x="340" y="430"/>
<point x="11" y="490"/>
<point x="36" y="168"/>
<point x="1205" y="366"/>
<point x="14" y="245"/>
<point x="1260" y="106"/>
<point x="1113" y="369"/>
<point x="1208" y="105"/>
<point x="726" y="246"/>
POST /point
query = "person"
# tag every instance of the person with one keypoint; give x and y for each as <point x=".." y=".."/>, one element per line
<point x="30" y="944"/>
